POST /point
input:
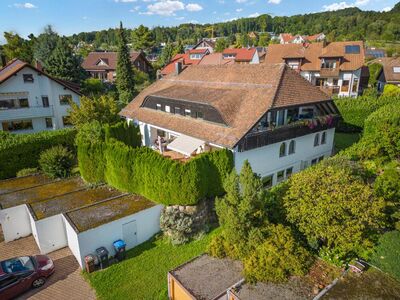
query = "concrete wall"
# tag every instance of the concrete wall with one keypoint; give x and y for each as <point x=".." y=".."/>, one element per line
<point x="84" y="243"/>
<point x="265" y="160"/>
<point x="41" y="86"/>
<point x="15" y="222"/>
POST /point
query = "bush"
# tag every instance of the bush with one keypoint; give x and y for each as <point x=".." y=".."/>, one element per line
<point x="27" y="171"/>
<point x="277" y="258"/>
<point x="56" y="162"/>
<point x="178" y="224"/>
<point x="332" y="204"/>
<point x="391" y="90"/>
<point x="129" y="134"/>
<point x="20" y="151"/>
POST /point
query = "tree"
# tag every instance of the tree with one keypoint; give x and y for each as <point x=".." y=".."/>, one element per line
<point x="334" y="208"/>
<point x="221" y="44"/>
<point x="277" y="258"/>
<point x="17" y="47"/>
<point x="264" y="39"/>
<point x="178" y="49"/>
<point x="166" y="54"/>
<point x="45" y="44"/>
<point x="142" y="38"/>
<point x="125" y="80"/>
<point x="92" y="87"/>
<point x="241" y="214"/>
<point x="64" y="64"/>
<point x="374" y="70"/>
<point x="103" y="109"/>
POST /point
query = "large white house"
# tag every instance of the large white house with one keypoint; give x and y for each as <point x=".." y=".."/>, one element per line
<point x="266" y="114"/>
<point x="337" y="67"/>
<point x="31" y="100"/>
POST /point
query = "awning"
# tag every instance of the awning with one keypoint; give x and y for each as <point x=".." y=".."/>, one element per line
<point x="185" y="144"/>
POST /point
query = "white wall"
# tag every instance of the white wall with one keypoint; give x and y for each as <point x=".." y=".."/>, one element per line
<point x="147" y="224"/>
<point x="265" y="160"/>
<point x="15" y="222"/>
<point x="50" y="234"/>
<point x="41" y="86"/>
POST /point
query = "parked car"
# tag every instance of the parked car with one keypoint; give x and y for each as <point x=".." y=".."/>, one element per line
<point x="20" y="274"/>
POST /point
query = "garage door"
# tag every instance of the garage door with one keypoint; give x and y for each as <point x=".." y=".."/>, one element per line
<point x="129" y="234"/>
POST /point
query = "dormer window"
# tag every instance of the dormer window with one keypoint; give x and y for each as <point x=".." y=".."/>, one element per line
<point x="188" y="112"/>
<point x="158" y="106"/>
<point x="195" y="56"/>
<point x="396" y="70"/>
<point x="229" y="55"/>
<point x="328" y="64"/>
<point x="28" y="78"/>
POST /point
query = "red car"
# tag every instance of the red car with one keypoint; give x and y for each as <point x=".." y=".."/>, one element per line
<point x="19" y="274"/>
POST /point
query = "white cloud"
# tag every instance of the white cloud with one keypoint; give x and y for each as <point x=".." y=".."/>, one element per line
<point x="255" y="15"/>
<point x="343" y="5"/>
<point x="135" y="9"/>
<point x="26" y="5"/>
<point x="274" y="1"/>
<point x="239" y="9"/>
<point x="193" y="7"/>
<point x="386" y="9"/>
<point x="164" y="8"/>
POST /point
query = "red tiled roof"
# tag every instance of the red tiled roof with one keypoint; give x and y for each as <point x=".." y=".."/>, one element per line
<point x="286" y="37"/>
<point x="241" y="54"/>
<point x="16" y="65"/>
<point x="201" y="51"/>
<point x="216" y="59"/>
<point x="241" y="93"/>
<point x="109" y="58"/>
<point x="183" y="58"/>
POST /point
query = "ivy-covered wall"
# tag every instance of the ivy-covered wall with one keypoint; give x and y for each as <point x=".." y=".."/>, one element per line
<point x="20" y="151"/>
<point x="143" y="171"/>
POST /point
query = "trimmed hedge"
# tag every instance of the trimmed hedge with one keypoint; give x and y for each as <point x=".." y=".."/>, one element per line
<point x="21" y="151"/>
<point x="144" y="171"/>
<point x="124" y="132"/>
<point x="355" y="111"/>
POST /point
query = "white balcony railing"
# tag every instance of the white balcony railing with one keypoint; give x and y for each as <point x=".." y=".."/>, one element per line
<point x="26" y="113"/>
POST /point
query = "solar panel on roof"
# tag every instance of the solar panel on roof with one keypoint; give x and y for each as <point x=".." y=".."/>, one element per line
<point x="352" y="49"/>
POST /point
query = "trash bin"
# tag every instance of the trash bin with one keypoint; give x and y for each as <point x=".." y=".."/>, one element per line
<point x="119" y="246"/>
<point x="90" y="263"/>
<point x="102" y="253"/>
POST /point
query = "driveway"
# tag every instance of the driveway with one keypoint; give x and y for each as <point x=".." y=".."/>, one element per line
<point x="66" y="282"/>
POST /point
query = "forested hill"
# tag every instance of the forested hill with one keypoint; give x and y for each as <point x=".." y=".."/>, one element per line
<point x="346" y="24"/>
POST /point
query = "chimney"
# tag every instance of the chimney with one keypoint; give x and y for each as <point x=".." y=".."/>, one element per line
<point x="178" y="68"/>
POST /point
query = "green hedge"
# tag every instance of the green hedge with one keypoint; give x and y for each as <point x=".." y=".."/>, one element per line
<point x="129" y="134"/>
<point x="144" y="171"/>
<point x="356" y="110"/>
<point x="20" y="151"/>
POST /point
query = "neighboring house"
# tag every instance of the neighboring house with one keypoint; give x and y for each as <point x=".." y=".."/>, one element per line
<point x="390" y="73"/>
<point x="287" y="38"/>
<point x="216" y="59"/>
<point x="32" y="101"/>
<point x="242" y="55"/>
<point x="103" y="65"/>
<point x="372" y="53"/>
<point x="337" y="67"/>
<point x="191" y="57"/>
<point x="266" y="114"/>
<point x="208" y="44"/>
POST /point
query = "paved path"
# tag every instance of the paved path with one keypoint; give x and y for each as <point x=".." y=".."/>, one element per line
<point x="66" y="282"/>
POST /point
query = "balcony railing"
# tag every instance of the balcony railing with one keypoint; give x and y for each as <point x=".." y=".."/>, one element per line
<point x="299" y="128"/>
<point x="26" y="113"/>
<point x="330" y="90"/>
<point x="329" y="72"/>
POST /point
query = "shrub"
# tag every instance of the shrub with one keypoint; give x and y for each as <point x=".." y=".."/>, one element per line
<point x="277" y="258"/>
<point x="27" y="171"/>
<point x="20" y="151"/>
<point x="391" y="90"/>
<point x="56" y="162"/>
<point x="178" y="225"/>
<point x="334" y="206"/>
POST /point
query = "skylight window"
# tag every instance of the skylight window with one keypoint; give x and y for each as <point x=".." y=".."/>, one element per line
<point x="352" y="49"/>
<point x="396" y="69"/>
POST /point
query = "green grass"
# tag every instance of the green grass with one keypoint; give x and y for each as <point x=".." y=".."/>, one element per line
<point x="387" y="254"/>
<point x="345" y="140"/>
<point x="143" y="275"/>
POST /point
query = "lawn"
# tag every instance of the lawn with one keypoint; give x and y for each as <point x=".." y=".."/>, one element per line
<point x="143" y="275"/>
<point x="345" y="140"/>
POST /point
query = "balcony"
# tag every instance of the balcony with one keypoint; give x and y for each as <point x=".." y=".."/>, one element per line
<point x="26" y="113"/>
<point x="329" y="72"/>
<point x="299" y="128"/>
<point x="330" y="90"/>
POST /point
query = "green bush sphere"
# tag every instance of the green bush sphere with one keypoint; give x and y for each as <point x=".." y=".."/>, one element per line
<point x="56" y="162"/>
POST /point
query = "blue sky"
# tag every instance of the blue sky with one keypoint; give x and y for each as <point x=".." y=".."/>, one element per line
<point x="73" y="16"/>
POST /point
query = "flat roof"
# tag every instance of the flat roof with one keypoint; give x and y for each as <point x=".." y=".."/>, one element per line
<point x="41" y="192"/>
<point x="206" y="277"/>
<point x="63" y="203"/>
<point x="19" y="183"/>
<point x="106" y="211"/>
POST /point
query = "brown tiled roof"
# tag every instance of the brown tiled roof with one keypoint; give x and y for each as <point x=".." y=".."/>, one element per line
<point x="241" y="54"/>
<point x="215" y="59"/>
<point x="242" y="94"/>
<point x="388" y="63"/>
<point x="209" y="42"/>
<point x="312" y="54"/>
<point x="286" y="37"/>
<point x="110" y="58"/>
<point x="16" y="65"/>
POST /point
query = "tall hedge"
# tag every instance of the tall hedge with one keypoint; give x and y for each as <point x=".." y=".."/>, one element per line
<point x="129" y="134"/>
<point x="144" y="171"/>
<point x="20" y="151"/>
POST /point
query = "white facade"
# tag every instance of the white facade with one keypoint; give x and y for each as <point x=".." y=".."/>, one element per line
<point x="146" y="222"/>
<point x="15" y="222"/>
<point x="36" y="103"/>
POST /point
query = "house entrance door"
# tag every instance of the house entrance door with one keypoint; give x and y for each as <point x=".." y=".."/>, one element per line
<point x="129" y="234"/>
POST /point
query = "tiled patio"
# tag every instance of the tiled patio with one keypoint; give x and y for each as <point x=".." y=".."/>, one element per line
<point x="67" y="281"/>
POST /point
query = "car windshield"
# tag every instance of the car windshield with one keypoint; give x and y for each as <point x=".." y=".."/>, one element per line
<point x="18" y="264"/>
